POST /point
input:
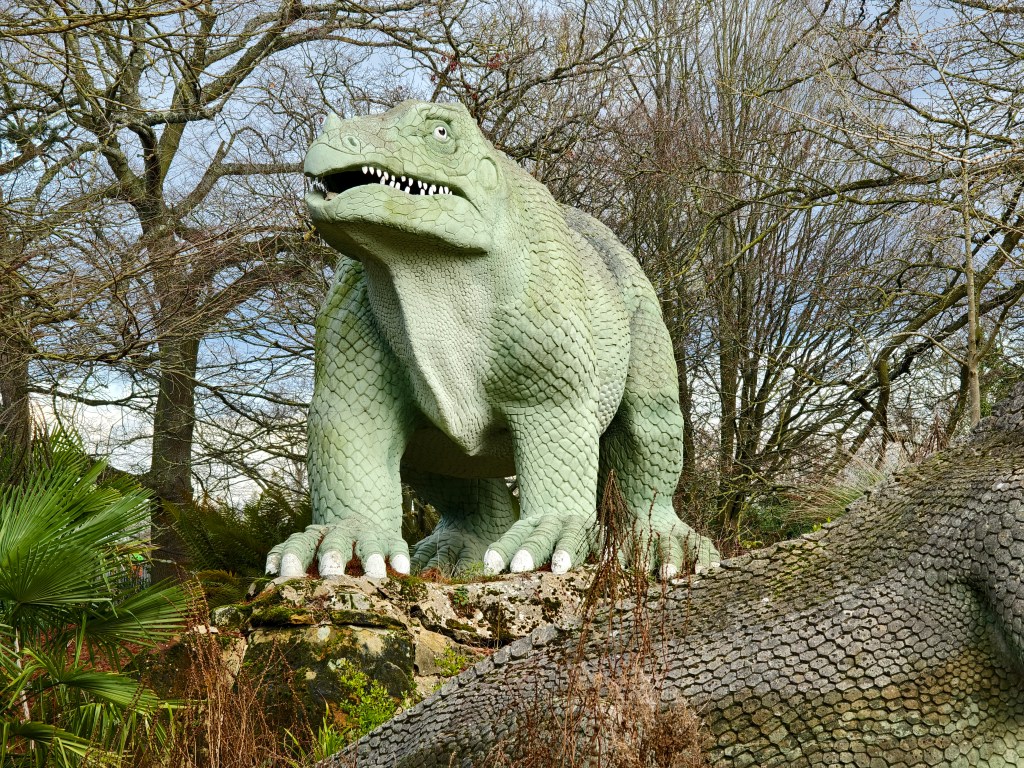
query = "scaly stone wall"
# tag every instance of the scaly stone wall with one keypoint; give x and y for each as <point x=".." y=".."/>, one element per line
<point x="894" y="637"/>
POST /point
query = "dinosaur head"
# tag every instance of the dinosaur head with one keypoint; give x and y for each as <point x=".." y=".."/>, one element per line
<point x="420" y="176"/>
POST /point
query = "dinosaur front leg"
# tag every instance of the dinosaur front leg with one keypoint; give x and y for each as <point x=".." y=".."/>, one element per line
<point x="360" y="420"/>
<point x="556" y="454"/>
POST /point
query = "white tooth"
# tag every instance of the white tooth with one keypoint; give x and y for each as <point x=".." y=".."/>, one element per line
<point x="378" y="172"/>
<point x="408" y="189"/>
<point x="364" y="170"/>
<point x="431" y="190"/>
<point x="447" y="191"/>
<point x="382" y="181"/>
<point x="403" y="179"/>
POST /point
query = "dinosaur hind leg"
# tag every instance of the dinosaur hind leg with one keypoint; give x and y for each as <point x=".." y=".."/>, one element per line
<point x="644" y="446"/>
<point x="474" y="512"/>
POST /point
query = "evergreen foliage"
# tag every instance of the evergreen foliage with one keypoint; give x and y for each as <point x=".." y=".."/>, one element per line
<point x="73" y="608"/>
<point x="236" y="541"/>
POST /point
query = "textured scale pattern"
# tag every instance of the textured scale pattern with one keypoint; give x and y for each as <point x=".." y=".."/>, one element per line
<point x="893" y="638"/>
<point x="476" y="329"/>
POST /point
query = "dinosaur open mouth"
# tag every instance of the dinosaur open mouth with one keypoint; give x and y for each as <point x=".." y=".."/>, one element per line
<point x="330" y="185"/>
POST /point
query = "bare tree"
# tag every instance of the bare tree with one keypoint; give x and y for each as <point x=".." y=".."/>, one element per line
<point x="153" y="112"/>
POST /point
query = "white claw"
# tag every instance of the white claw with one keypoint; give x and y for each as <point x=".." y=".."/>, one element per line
<point x="521" y="562"/>
<point x="273" y="564"/>
<point x="698" y="569"/>
<point x="401" y="564"/>
<point x="331" y="564"/>
<point x="493" y="563"/>
<point x="668" y="571"/>
<point x="374" y="567"/>
<point x="561" y="561"/>
<point x="291" y="567"/>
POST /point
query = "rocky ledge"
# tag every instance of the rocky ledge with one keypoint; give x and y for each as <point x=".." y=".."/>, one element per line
<point x="407" y="633"/>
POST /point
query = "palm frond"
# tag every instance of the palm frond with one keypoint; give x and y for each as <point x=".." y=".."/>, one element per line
<point x="111" y="687"/>
<point x="148" y="617"/>
<point x="31" y="742"/>
<point x="71" y="606"/>
<point x="60" y="534"/>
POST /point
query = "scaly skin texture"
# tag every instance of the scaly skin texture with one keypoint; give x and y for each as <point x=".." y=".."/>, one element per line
<point x="477" y="329"/>
<point x="892" y="638"/>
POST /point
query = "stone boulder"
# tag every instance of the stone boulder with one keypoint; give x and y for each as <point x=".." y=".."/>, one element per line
<point x="406" y="633"/>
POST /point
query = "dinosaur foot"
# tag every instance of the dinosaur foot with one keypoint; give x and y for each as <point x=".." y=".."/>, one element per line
<point x="333" y="547"/>
<point x="562" y="541"/>
<point x="668" y="545"/>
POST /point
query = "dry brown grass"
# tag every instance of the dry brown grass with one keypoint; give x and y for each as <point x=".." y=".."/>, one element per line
<point x="222" y="720"/>
<point x="608" y="712"/>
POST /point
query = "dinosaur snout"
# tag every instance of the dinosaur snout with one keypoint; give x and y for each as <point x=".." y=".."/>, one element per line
<point x="340" y="135"/>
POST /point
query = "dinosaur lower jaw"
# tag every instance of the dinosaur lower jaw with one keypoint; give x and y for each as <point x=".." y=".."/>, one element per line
<point x="373" y="217"/>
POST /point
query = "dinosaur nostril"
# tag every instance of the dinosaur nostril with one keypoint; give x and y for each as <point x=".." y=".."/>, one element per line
<point x="351" y="142"/>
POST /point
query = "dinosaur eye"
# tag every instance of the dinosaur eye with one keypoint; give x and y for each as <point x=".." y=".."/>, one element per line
<point x="441" y="133"/>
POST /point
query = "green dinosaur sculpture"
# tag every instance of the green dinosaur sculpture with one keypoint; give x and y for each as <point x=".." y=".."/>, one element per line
<point x="892" y="638"/>
<point x="478" y="330"/>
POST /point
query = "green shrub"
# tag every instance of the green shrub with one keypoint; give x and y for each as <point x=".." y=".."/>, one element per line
<point x="453" y="662"/>
<point x="222" y="538"/>
<point x="368" y="703"/>
<point x="73" y="608"/>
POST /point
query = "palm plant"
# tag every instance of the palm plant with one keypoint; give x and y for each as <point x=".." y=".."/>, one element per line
<point x="73" y="609"/>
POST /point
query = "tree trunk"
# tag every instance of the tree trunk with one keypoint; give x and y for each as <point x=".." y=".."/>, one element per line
<point x="15" y="415"/>
<point x="688" y="477"/>
<point x="728" y="372"/>
<point x="973" y="326"/>
<point x="170" y="474"/>
<point x="15" y="353"/>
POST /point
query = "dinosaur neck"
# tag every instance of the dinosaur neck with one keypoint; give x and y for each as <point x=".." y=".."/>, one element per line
<point x="436" y="322"/>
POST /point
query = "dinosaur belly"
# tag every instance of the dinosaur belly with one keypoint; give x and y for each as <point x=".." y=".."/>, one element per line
<point x="431" y="450"/>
